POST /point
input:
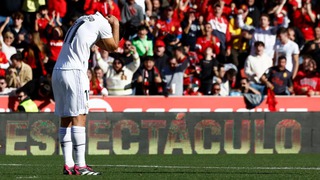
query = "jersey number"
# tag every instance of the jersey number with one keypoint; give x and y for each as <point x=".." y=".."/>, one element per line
<point x="72" y="32"/>
<point x="86" y="92"/>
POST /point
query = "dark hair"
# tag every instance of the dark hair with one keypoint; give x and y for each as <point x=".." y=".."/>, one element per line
<point x="3" y="78"/>
<point x="246" y="79"/>
<point x="18" y="56"/>
<point x="307" y="56"/>
<point x="178" y="48"/>
<point x="231" y="72"/>
<point x="217" y="4"/>
<point x="142" y="27"/>
<point x="21" y="90"/>
<point x="282" y="30"/>
<point x="265" y="15"/>
<point x="45" y="89"/>
<point x="42" y="7"/>
<point x="146" y="58"/>
<point x="214" y="84"/>
<point x="282" y="57"/>
<point x="17" y="15"/>
<point x="154" y="17"/>
<point x="121" y="60"/>
<point x="312" y="61"/>
<point x="169" y="38"/>
<point x="258" y="43"/>
<point x="97" y="68"/>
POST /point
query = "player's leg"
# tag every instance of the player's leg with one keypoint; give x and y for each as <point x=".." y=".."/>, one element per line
<point x="66" y="145"/>
<point x="60" y="90"/>
<point x="78" y="131"/>
<point x="79" y="142"/>
<point x="79" y="106"/>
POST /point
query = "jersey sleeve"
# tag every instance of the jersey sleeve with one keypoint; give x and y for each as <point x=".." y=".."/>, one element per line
<point x="105" y="29"/>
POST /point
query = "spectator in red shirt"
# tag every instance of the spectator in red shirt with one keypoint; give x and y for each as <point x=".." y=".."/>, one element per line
<point x="59" y="6"/>
<point x="167" y="25"/>
<point x="41" y="22"/>
<point x="55" y="43"/>
<point x="4" y="63"/>
<point x="107" y="7"/>
<point x="220" y="26"/>
<point x="307" y="81"/>
<point x="95" y="87"/>
<point x="207" y="40"/>
<point x="89" y="6"/>
<point x="277" y="12"/>
<point x="35" y="55"/>
<point x="227" y="6"/>
<point x="180" y="8"/>
<point x="192" y="89"/>
<point x="305" y="18"/>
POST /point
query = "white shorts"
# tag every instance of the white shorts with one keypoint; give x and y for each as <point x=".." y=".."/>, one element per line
<point x="71" y="92"/>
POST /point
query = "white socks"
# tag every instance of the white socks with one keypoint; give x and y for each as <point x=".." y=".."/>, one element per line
<point x="79" y="144"/>
<point x="66" y="145"/>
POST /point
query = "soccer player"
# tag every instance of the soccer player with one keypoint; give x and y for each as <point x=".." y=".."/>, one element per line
<point x="71" y="85"/>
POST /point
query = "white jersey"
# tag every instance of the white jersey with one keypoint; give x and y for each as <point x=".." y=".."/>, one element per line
<point x="287" y="50"/>
<point x="85" y="32"/>
<point x="70" y="82"/>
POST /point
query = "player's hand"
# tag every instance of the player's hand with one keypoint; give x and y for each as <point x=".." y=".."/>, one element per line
<point x="112" y="20"/>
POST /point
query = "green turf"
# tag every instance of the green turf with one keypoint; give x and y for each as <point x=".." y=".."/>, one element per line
<point x="302" y="166"/>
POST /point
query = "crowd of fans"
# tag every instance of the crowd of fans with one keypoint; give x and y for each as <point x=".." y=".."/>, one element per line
<point x="169" y="47"/>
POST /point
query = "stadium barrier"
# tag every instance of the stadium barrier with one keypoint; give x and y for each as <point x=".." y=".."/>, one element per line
<point x="178" y="104"/>
<point x="168" y="133"/>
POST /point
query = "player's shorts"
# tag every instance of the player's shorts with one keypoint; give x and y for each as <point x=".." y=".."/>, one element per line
<point x="71" y="92"/>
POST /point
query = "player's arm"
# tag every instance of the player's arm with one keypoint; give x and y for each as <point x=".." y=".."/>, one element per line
<point x="107" y="44"/>
<point x="111" y="44"/>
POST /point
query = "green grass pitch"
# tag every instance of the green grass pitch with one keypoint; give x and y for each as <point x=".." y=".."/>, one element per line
<point x="301" y="166"/>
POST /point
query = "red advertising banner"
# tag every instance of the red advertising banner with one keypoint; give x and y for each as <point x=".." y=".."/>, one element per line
<point x="178" y="104"/>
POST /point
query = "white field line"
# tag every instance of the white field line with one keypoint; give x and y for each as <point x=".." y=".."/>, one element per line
<point x="26" y="177"/>
<point x="187" y="167"/>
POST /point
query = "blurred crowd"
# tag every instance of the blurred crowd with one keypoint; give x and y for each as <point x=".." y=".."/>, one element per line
<point x="169" y="47"/>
